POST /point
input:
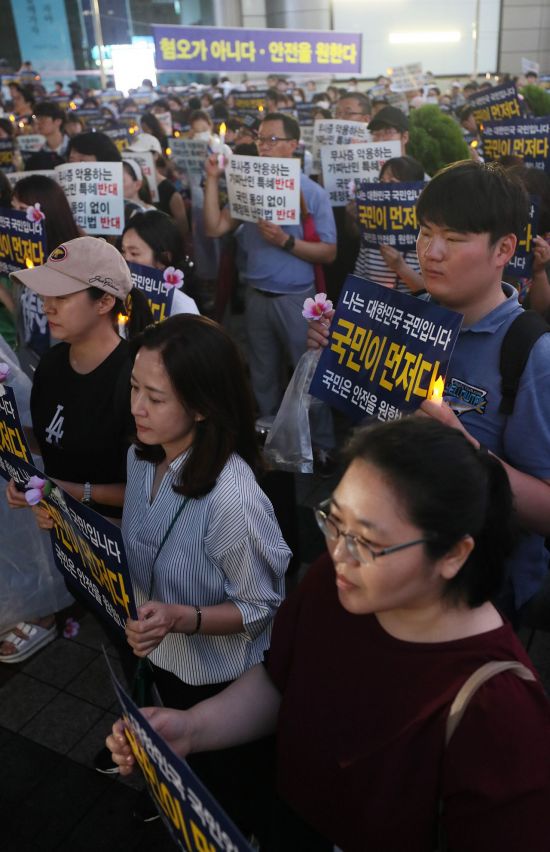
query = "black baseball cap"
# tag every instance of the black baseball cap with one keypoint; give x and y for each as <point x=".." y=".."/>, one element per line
<point x="389" y="117"/>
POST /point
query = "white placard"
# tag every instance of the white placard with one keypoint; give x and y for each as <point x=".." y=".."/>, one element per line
<point x="407" y="78"/>
<point x="30" y="143"/>
<point x="529" y="65"/>
<point x="332" y="131"/>
<point x="13" y="177"/>
<point x="146" y="162"/>
<point x="344" y="163"/>
<point x="95" y="194"/>
<point x="189" y="155"/>
<point x="264" y="188"/>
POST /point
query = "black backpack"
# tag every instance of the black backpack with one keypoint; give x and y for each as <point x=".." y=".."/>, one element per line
<point x="515" y="350"/>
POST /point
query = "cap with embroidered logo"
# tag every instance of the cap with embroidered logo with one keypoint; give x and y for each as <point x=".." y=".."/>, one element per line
<point x="76" y="265"/>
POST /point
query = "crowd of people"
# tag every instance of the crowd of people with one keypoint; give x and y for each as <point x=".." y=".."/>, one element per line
<point x="319" y="719"/>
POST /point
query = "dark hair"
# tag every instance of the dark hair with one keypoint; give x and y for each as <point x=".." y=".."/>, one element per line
<point x="404" y="168"/>
<point x="207" y="373"/>
<point x="155" y="128"/>
<point x="5" y="190"/>
<point x="59" y="222"/>
<point x="363" y="101"/>
<point x="536" y="182"/>
<point x="48" y="108"/>
<point x="93" y="143"/>
<point x="246" y="149"/>
<point x="200" y="115"/>
<point x="194" y="103"/>
<point x="144" y="192"/>
<point x="475" y="198"/>
<point x="136" y="308"/>
<point x="7" y="126"/>
<point x="418" y="456"/>
<point x="161" y="234"/>
<point x="291" y="126"/>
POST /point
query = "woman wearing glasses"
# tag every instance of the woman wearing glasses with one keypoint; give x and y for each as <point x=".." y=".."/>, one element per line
<point x="369" y="654"/>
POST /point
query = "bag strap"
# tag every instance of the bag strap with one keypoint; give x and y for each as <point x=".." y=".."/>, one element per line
<point x="477" y="679"/>
<point x="161" y="545"/>
<point x="514" y="353"/>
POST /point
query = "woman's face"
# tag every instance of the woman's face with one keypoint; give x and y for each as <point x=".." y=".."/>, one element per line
<point x="160" y="416"/>
<point x="199" y="127"/>
<point x="130" y="185"/>
<point x="388" y="176"/>
<point x="75" y="318"/>
<point x="136" y="250"/>
<point x="366" y="505"/>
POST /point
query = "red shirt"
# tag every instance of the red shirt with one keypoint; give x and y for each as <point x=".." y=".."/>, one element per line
<point x="361" y="754"/>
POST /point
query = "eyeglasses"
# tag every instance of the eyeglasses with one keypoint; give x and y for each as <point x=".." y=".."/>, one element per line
<point x="269" y="141"/>
<point x="346" y="113"/>
<point x="357" y="548"/>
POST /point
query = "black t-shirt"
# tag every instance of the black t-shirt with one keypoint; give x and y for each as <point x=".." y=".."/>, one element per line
<point x="82" y="423"/>
<point x="166" y="190"/>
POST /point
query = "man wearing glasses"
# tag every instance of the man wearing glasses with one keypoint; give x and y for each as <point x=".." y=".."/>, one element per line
<point x="279" y="271"/>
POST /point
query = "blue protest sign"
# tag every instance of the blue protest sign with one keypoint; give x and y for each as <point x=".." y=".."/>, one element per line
<point x="499" y="103"/>
<point x="527" y="138"/>
<point x="386" y="351"/>
<point x="521" y="265"/>
<point x="12" y="436"/>
<point x="7" y="153"/>
<point x="190" y="813"/>
<point x="386" y="213"/>
<point x="151" y="282"/>
<point x="22" y="240"/>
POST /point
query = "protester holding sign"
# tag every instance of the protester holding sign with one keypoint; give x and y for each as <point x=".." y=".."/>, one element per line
<point x="205" y="551"/>
<point x="414" y="557"/>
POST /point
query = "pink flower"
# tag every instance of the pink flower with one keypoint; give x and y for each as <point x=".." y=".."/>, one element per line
<point x="71" y="628"/>
<point x="173" y="277"/>
<point x="316" y="308"/>
<point x="4" y="371"/>
<point x="36" y="489"/>
<point x="34" y="214"/>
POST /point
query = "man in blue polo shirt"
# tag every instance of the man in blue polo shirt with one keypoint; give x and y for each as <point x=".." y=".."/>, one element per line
<point x="279" y="267"/>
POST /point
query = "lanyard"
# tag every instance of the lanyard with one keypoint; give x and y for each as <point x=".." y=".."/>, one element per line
<point x="161" y="545"/>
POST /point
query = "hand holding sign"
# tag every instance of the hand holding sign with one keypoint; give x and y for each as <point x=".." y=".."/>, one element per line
<point x="155" y="621"/>
<point x="541" y="252"/>
<point x="212" y="167"/>
<point x="174" y="726"/>
<point x="272" y="234"/>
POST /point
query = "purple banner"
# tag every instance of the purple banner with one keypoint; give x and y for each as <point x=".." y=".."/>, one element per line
<point x="237" y="49"/>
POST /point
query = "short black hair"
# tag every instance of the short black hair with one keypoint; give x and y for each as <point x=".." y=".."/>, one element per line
<point x="475" y="198"/>
<point x="415" y="456"/>
<point x="404" y="168"/>
<point x="363" y="100"/>
<point x="95" y="144"/>
<point x="49" y="109"/>
<point x="291" y="126"/>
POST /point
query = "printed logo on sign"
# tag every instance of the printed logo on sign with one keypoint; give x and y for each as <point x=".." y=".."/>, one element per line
<point x="54" y="432"/>
<point x="59" y="253"/>
<point x="463" y="397"/>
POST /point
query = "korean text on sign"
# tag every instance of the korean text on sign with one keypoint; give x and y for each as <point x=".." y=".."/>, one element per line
<point x="22" y="242"/>
<point x="385" y="353"/>
<point x="497" y="104"/>
<point x="528" y="138"/>
<point x="264" y="188"/>
<point x="386" y="213"/>
<point x="95" y="194"/>
<point x="151" y="282"/>
<point x="344" y="163"/>
<point x="329" y="132"/>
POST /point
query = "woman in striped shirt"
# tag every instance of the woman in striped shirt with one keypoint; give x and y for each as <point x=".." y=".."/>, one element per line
<point x="204" y="548"/>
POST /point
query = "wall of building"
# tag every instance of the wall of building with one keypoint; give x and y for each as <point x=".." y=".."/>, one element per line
<point x="525" y="31"/>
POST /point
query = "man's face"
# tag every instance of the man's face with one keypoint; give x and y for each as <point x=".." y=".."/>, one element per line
<point x="272" y="140"/>
<point x="349" y="109"/>
<point x="391" y="134"/>
<point x="459" y="269"/>
<point x="46" y="125"/>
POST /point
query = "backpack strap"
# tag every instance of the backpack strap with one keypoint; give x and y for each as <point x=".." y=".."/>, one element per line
<point x="514" y="353"/>
<point x="471" y="686"/>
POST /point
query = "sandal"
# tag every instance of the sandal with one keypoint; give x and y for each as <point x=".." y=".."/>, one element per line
<point x="34" y="638"/>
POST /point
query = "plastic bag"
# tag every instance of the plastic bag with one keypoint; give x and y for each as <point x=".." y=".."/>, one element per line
<point x="30" y="584"/>
<point x="288" y="445"/>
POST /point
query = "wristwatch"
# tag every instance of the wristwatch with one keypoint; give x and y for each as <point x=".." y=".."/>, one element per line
<point x="289" y="245"/>
<point x="87" y="496"/>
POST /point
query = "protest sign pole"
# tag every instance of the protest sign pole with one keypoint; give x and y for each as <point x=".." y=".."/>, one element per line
<point x="98" y="35"/>
<point x="475" y="35"/>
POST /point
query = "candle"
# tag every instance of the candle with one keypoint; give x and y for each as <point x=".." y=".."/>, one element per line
<point x="436" y="392"/>
<point x="122" y="320"/>
<point x="222" y="143"/>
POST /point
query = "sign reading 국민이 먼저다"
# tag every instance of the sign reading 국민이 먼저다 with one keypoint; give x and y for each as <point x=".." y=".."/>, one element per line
<point x="95" y="194"/>
<point x="264" y="188"/>
<point x="342" y="164"/>
<point x="500" y="103"/>
<point x="151" y="282"/>
<point x="22" y="241"/>
<point x="263" y="50"/>
<point x="527" y="138"/>
<point x="386" y="353"/>
<point x="386" y="213"/>
<point x="87" y="549"/>
<point x="193" y="817"/>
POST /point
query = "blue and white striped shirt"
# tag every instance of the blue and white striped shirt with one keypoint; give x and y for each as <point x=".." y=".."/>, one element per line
<point x="225" y="546"/>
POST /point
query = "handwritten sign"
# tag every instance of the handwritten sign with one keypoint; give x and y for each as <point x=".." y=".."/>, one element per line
<point x="22" y="243"/>
<point x="497" y="104"/>
<point x="270" y="50"/>
<point x="264" y="188"/>
<point x="386" y="213"/>
<point x="192" y="816"/>
<point x="146" y="162"/>
<point x="151" y="282"/>
<point x="342" y="163"/>
<point x="521" y="137"/>
<point x="385" y="353"/>
<point x="95" y="194"/>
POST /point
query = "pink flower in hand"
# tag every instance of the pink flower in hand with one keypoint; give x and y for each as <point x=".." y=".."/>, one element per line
<point x="4" y="371"/>
<point x="173" y="277"/>
<point x="36" y="489"/>
<point x="71" y="628"/>
<point x="316" y="308"/>
<point x="34" y="213"/>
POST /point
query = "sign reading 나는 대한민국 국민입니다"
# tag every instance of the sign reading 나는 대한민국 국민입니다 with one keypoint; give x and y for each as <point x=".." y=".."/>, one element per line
<point x="264" y="188"/>
<point x="264" y="50"/>
<point x="386" y="213"/>
<point x="342" y="164"/>
<point x="528" y="138"/>
<point x="151" y="282"/>
<point x="193" y="817"/>
<point x="386" y="351"/>
<point x="87" y="549"/>
<point x="22" y="240"/>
